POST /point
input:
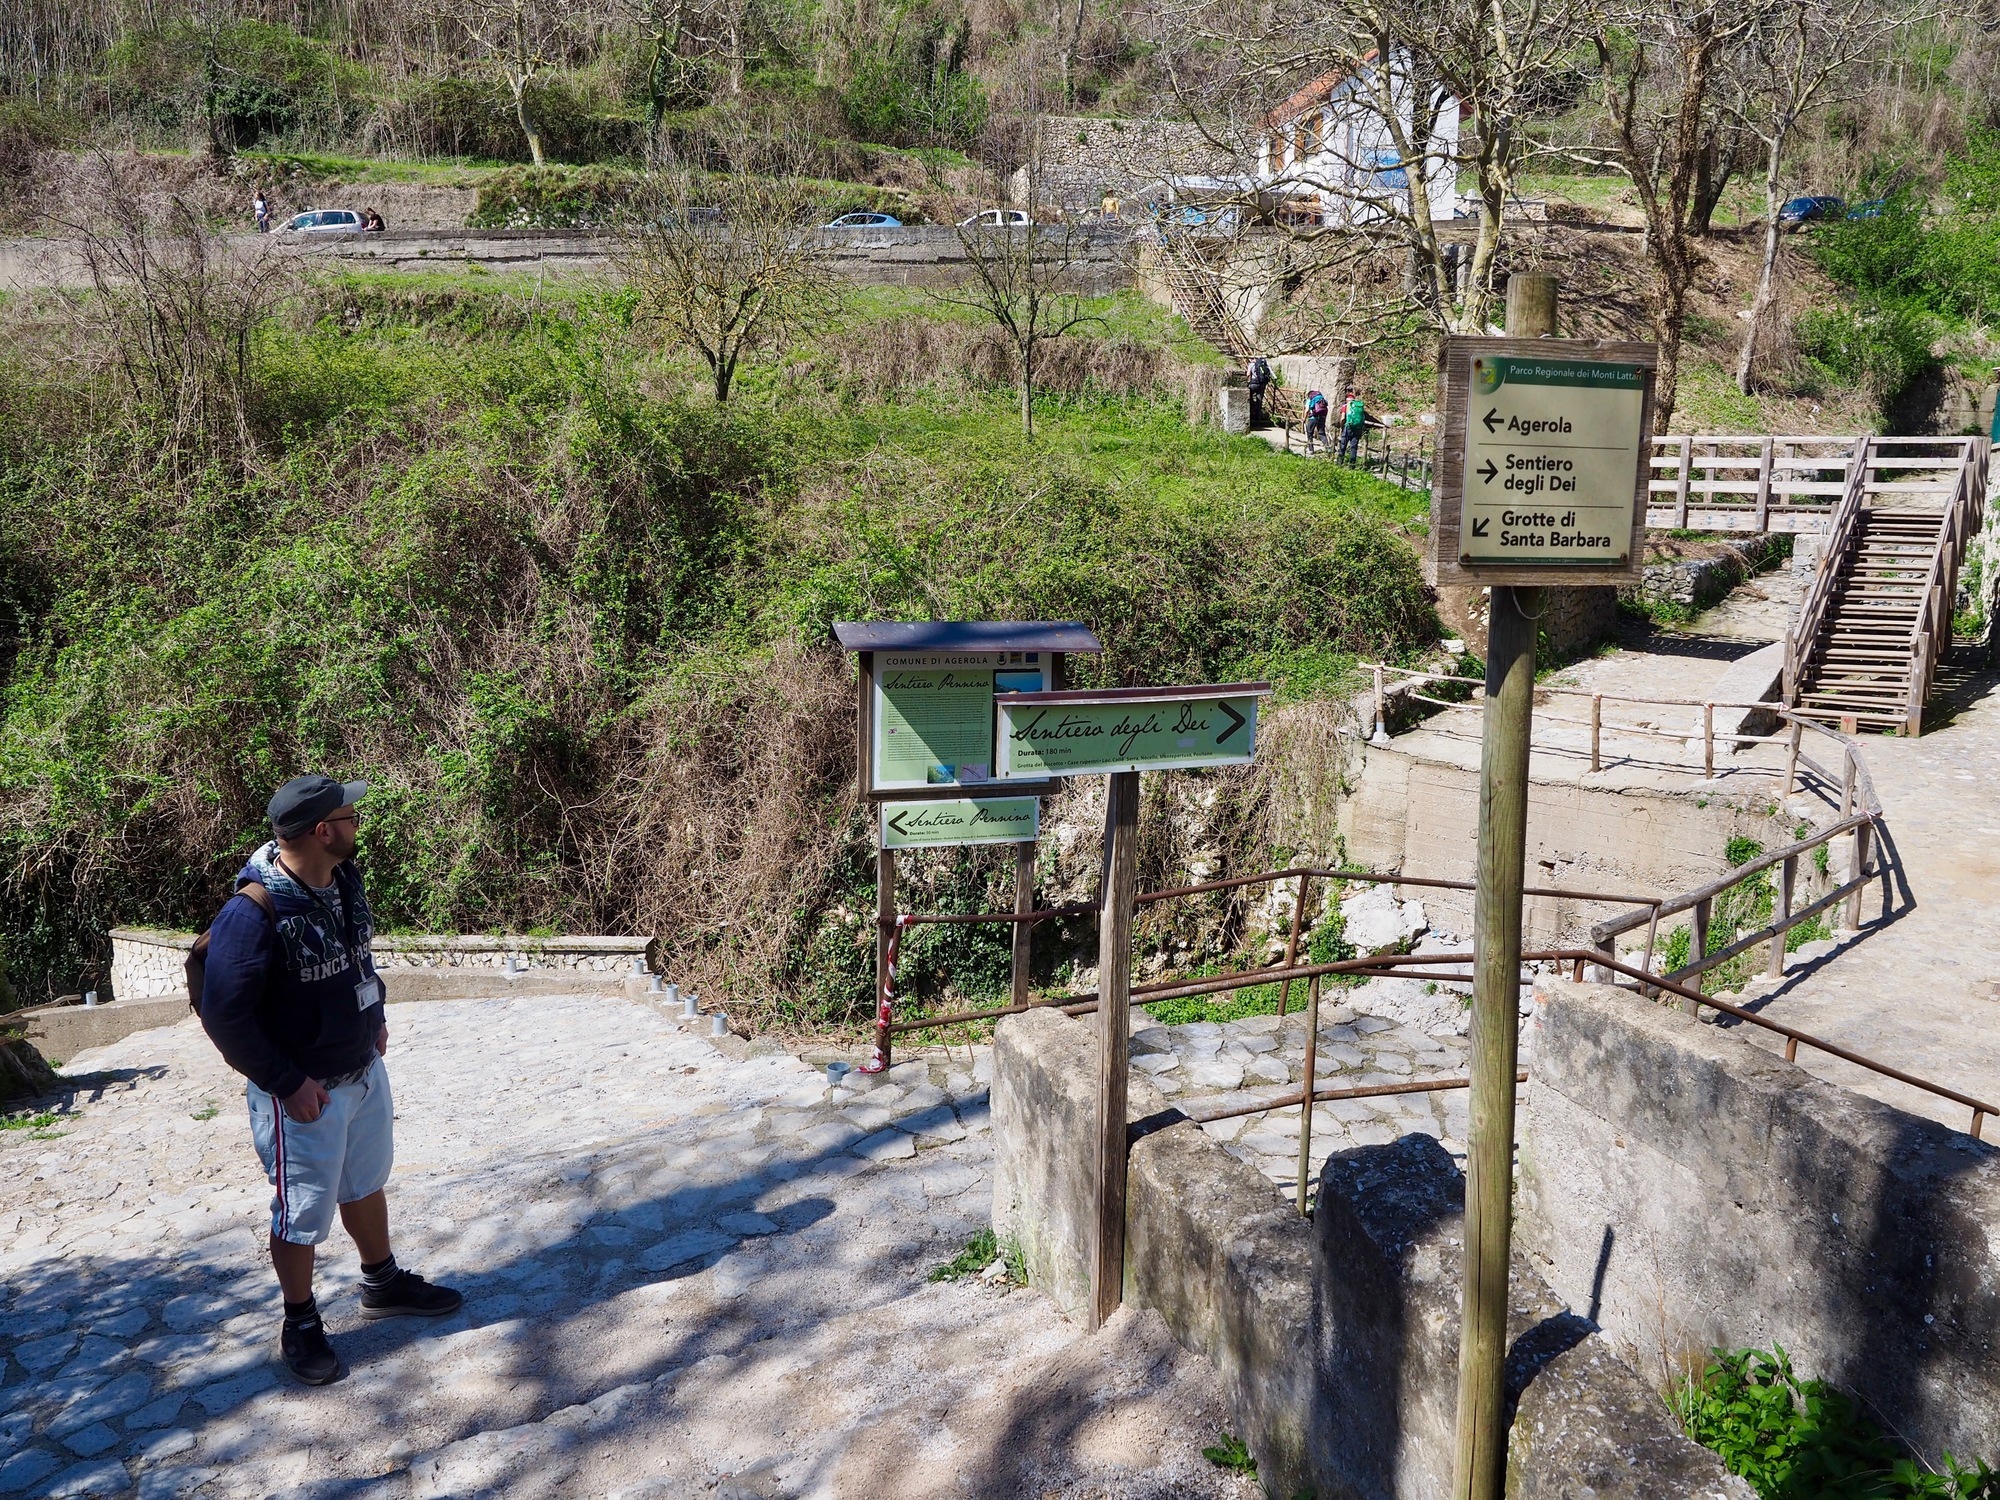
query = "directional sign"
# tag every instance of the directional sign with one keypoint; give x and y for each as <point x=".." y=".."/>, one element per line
<point x="1545" y="461"/>
<point x="961" y="820"/>
<point x="1127" y="729"/>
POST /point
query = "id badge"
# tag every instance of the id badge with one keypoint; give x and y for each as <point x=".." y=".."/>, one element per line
<point x="367" y="993"/>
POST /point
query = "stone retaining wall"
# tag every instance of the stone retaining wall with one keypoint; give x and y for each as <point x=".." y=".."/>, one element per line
<point x="1337" y="1339"/>
<point x="1695" y="1191"/>
<point x="147" y="963"/>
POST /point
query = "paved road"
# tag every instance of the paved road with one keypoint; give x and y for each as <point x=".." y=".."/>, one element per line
<point x="686" y="1274"/>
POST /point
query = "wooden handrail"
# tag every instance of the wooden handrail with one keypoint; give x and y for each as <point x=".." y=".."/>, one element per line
<point x="1806" y="624"/>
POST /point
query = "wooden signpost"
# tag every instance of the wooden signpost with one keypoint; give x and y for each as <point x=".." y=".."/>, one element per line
<point x="1118" y="732"/>
<point x="1542" y="479"/>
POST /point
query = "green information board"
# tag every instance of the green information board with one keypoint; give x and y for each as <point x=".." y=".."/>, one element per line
<point x="961" y="820"/>
<point x="1131" y="729"/>
<point x="934" y="713"/>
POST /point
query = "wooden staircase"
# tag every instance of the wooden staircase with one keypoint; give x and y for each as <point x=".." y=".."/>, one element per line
<point x="1196" y="292"/>
<point x="1876" y="619"/>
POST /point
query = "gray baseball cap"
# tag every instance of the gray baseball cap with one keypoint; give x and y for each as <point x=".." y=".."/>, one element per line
<point x="299" y="805"/>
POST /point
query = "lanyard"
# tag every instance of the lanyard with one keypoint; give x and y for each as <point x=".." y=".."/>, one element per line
<point x="343" y="919"/>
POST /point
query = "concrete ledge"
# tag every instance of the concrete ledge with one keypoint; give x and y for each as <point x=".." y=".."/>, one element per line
<point x="59" y="1032"/>
<point x="1702" y="1193"/>
<point x="1337" y="1341"/>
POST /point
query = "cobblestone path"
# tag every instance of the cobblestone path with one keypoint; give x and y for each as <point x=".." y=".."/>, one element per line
<point x="687" y="1273"/>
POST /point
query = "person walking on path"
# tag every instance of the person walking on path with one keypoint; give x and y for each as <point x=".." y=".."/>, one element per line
<point x="290" y="998"/>
<point x="262" y="211"/>
<point x="1353" y="420"/>
<point x="1260" y="382"/>
<point x="1316" y="410"/>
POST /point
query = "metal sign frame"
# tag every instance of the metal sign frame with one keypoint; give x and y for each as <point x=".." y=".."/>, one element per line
<point x="1448" y="487"/>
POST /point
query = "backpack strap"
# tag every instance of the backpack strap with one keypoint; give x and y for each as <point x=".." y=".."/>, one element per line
<point x="196" y="966"/>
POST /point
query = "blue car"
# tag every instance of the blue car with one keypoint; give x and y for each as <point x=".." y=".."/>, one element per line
<point x="1805" y="210"/>
<point x="866" y="221"/>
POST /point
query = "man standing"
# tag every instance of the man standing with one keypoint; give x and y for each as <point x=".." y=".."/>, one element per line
<point x="291" y="1000"/>
<point x="1260" y="382"/>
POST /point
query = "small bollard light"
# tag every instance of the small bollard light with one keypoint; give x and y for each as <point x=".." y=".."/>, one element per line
<point x="90" y="997"/>
<point x="673" y="994"/>
<point x="638" y="963"/>
<point x="836" y="1073"/>
<point x="690" y="1007"/>
<point x="718" y="1024"/>
<point x="658" y="987"/>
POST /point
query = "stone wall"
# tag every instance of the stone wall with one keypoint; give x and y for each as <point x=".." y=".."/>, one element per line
<point x="147" y="963"/>
<point x="1691" y="1191"/>
<point x="1336" y="1340"/>
<point x="1418" y="816"/>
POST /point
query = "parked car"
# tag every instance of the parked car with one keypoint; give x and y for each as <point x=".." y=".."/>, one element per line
<point x="1805" y="210"/>
<point x="1874" y="208"/>
<point x="866" y="221"/>
<point x="998" y="218"/>
<point x="323" y="221"/>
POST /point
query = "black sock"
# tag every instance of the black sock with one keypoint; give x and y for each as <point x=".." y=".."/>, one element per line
<point x="380" y="1274"/>
<point x="298" y="1314"/>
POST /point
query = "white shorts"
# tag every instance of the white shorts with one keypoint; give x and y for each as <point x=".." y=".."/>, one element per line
<point x="342" y="1156"/>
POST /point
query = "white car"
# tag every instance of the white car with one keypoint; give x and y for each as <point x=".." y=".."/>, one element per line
<point x="998" y="218"/>
<point x="323" y="221"/>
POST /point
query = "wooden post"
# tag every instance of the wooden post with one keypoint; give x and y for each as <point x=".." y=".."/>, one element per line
<point x="1858" y="867"/>
<point x="1847" y="782"/>
<point x="1596" y="728"/>
<point x="1292" y="942"/>
<point x="1480" y="1453"/>
<point x="1788" y="879"/>
<point x="1698" y="947"/>
<point x="1024" y="932"/>
<point x="1681" y="487"/>
<point x="1114" y="1040"/>
<point x="1792" y="757"/>
<point x="1708" y="741"/>
<point x="885" y="911"/>
<point x="1764" y="486"/>
<point x="1380" y="734"/>
<point x="1306" y="1108"/>
<point x="1531" y="305"/>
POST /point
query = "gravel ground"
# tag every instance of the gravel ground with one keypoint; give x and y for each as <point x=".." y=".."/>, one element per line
<point x="687" y="1273"/>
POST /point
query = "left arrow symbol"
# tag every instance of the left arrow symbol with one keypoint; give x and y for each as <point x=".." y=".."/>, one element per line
<point x="896" y="823"/>
<point x="1491" y="419"/>
<point x="1238" y="721"/>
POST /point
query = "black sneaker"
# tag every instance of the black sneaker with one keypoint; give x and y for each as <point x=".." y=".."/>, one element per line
<point x="408" y="1295"/>
<point x="307" y="1353"/>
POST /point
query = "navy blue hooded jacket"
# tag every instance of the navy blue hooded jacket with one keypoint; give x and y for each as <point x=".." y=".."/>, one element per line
<point x="280" y="996"/>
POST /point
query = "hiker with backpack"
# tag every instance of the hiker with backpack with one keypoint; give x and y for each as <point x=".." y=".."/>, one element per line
<point x="1353" y="421"/>
<point x="1260" y="382"/>
<point x="286" y="988"/>
<point x="1316" y="411"/>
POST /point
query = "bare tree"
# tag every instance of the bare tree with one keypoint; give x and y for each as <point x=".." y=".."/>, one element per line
<point x="172" y="309"/>
<point x="1412" y="107"/>
<point x="518" y="39"/>
<point x="726" y="255"/>
<point x="1800" y="59"/>
<point x="1659" y="62"/>
<point x="1023" y="271"/>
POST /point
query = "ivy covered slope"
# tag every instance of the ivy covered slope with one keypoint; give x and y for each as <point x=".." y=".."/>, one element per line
<point x="487" y="550"/>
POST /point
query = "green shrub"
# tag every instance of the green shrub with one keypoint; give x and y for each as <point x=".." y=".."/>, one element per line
<point x="917" y="92"/>
<point x="268" y="80"/>
<point x="553" y="197"/>
<point x="1882" y="351"/>
<point x="1799" y="1439"/>
<point x="460" y="116"/>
